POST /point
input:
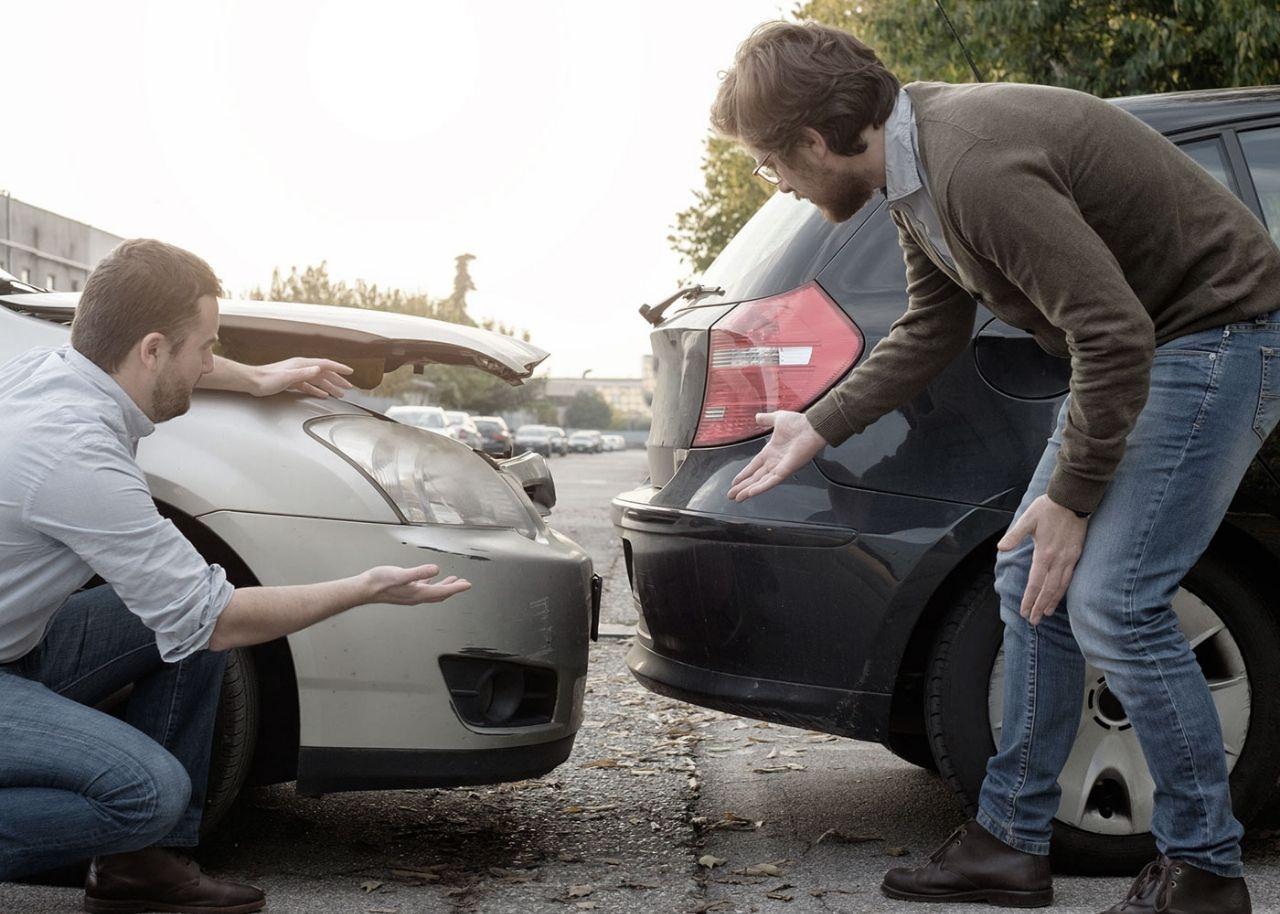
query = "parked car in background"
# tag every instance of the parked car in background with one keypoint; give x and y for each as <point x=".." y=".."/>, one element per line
<point x="535" y="438"/>
<point x="586" y="441"/>
<point x="614" y="442"/>
<point x="292" y="489"/>
<point x="430" y="418"/>
<point x="461" y="427"/>
<point x="497" y="440"/>
<point x="856" y="597"/>
<point x="559" y="440"/>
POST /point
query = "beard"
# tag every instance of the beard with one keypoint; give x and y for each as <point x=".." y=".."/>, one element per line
<point x="170" y="399"/>
<point x="841" y="200"/>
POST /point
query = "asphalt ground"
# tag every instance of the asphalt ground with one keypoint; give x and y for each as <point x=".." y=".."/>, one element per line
<point x="781" y="819"/>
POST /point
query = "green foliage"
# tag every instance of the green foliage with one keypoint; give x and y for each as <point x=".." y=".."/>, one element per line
<point x="1107" y="47"/>
<point x="728" y="199"/>
<point x="588" y="409"/>
<point x="455" y="387"/>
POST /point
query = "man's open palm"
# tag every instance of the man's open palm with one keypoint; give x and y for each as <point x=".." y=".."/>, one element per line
<point x="410" y="586"/>
<point x="792" y="444"/>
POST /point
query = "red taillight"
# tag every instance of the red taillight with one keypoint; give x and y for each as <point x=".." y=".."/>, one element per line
<point x="776" y="353"/>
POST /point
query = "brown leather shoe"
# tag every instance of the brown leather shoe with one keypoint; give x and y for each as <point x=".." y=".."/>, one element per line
<point x="156" y="879"/>
<point x="1174" y="887"/>
<point x="973" y="865"/>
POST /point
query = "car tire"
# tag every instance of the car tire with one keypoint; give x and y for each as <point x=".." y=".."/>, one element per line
<point x="958" y="720"/>
<point x="235" y="735"/>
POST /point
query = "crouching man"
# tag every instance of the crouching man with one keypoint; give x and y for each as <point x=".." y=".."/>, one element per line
<point x="76" y="783"/>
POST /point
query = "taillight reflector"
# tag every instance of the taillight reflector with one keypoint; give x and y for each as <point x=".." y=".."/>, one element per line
<point x="776" y="353"/>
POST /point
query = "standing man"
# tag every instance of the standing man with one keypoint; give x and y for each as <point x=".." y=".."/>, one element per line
<point x="1069" y="218"/>
<point x="74" y="782"/>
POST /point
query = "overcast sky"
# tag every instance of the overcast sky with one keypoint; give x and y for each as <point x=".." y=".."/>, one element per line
<point x="554" y="141"/>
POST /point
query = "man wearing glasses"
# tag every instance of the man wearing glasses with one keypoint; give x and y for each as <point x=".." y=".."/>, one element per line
<point x="1072" y="219"/>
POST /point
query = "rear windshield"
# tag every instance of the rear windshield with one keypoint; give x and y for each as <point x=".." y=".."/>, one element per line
<point x="782" y="246"/>
<point x="488" y="426"/>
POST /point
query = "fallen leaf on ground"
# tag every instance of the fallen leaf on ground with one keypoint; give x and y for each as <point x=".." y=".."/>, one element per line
<point x="586" y="906"/>
<point x="383" y="910"/>
<point x="710" y="906"/>
<point x="580" y="891"/>
<point x="780" y="896"/>
<point x="730" y="819"/>
<point x="600" y="763"/>
<point x="711" y="861"/>
<point x="835" y="835"/>
<point x="896" y="851"/>
<point x="415" y="875"/>
<point x="370" y="886"/>
<point x="612" y="861"/>
<point x="762" y="869"/>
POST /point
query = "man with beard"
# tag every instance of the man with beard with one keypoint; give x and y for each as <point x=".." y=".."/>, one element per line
<point x="1073" y="220"/>
<point x="76" y="783"/>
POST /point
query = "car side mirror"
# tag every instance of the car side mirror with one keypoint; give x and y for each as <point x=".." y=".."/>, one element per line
<point x="534" y="476"/>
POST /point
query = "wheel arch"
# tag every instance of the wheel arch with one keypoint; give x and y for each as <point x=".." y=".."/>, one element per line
<point x="276" y="756"/>
<point x="1256" y="556"/>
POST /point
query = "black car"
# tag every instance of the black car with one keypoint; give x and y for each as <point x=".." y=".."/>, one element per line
<point x="856" y="598"/>
<point x="496" y="437"/>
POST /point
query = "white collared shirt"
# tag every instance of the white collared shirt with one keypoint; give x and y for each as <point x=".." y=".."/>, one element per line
<point x="74" y="503"/>
<point x="906" y="187"/>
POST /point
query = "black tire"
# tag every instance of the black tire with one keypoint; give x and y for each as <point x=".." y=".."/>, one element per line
<point x="958" y="724"/>
<point x="235" y="735"/>
<point x="913" y="748"/>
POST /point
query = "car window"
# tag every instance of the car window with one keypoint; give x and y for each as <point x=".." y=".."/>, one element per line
<point x="1210" y="156"/>
<point x="1262" y="152"/>
<point x="782" y="246"/>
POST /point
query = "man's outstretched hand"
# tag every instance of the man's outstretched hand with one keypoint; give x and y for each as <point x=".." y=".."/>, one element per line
<point x="410" y="586"/>
<point x="317" y="377"/>
<point x="792" y="444"/>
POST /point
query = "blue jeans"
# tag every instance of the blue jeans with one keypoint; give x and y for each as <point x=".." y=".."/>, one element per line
<point x="1214" y="398"/>
<point x="75" y="782"/>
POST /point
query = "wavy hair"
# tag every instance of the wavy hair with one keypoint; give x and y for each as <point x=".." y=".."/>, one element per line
<point x="787" y="76"/>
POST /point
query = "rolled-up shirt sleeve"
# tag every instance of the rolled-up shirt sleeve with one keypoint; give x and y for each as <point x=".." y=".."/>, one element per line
<point x="96" y="501"/>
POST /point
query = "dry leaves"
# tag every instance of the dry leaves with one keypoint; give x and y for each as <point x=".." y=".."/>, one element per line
<point x="710" y="861"/>
<point x="581" y="891"/>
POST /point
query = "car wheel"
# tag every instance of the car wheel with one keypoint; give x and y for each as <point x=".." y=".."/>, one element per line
<point x="235" y="734"/>
<point x="1104" y="818"/>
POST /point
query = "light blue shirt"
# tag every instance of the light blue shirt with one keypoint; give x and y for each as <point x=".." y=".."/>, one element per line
<point x="906" y="187"/>
<point x="74" y="503"/>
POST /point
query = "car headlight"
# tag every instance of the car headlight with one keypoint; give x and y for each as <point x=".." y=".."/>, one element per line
<point x="428" y="479"/>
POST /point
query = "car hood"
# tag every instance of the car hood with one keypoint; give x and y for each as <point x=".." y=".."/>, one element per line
<point x="373" y="341"/>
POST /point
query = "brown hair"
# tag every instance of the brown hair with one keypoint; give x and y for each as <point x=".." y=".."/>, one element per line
<point x="141" y="287"/>
<point x="787" y="76"/>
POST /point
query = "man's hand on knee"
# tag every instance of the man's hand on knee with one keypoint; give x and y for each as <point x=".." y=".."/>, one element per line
<point x="1058" y="535"/>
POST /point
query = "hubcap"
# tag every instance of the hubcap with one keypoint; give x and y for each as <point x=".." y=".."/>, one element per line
<point x="1106" y="787"/>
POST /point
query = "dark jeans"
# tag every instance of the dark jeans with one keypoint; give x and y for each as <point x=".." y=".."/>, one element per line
<point x="75" y="782"/>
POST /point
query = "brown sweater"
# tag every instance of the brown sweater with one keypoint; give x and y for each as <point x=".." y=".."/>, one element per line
<point x="1074" y="220"/>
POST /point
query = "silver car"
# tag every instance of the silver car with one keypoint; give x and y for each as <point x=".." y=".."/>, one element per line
<point x="292" y="489"/>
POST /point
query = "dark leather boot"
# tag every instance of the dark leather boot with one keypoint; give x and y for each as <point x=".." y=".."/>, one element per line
<point x="161" y="880"/>
<point x="973" y="865"/>
<point x="1173" y="887"/>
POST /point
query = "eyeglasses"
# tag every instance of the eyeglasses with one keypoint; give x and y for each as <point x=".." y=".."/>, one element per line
<point x="767" y="172"/>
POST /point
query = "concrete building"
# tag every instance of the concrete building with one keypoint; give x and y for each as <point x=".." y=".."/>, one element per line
<point x="627" y="397"/>
<point x="49" y="250"/>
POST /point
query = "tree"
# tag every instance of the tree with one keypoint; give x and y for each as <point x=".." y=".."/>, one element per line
<point x="730" y="196"/>
<point x="1107" y="47"/>
<point x="588" y="409"/>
